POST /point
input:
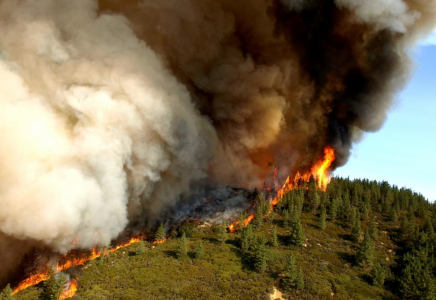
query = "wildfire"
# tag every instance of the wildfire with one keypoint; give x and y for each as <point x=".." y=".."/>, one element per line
<point x="320" y="171"/>
<point x="246" y="222"/>
<point x="159" y="242"/>
<point x="70" y="291"/>
<point x="69" y="261"/>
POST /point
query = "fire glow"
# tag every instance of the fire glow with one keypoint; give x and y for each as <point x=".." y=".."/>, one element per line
<point x="320" y="171"/>
<point x="70" y="291"/>
<point x="66" y="262"/>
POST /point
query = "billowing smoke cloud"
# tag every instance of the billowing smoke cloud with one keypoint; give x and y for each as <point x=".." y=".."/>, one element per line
<point x="112" y="111"/>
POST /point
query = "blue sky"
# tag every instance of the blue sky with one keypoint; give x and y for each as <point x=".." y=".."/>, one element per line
<point x="403" y="152"/>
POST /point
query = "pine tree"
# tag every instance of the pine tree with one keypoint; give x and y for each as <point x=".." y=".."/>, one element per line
<point x="286" y="218"/>
<point x="6" y="294"/>
<point x="356" y="230"/>
<point x="416" y="281"/>
<point x="200" y="251"/>
<point x="241" y="223"/>
<point x="365" y="252"/>
<point x="271" y="216"/>
<point x="394" y="215"/>
<point x="300" y="279"/>
<point x="160" y="233"/>
<point x="314" y="201"/>
<point x="297" y="236"/>
<point x="182" y="250"/>
<point x="140" y="249"/>
<point x="222" y="234"/>
<point x="378" y="275"/>
<point x="292" y="277"/>
<point x="259" y="216"/>
<point x="54" y="286"/>
<point x="274" y="240"/>
<point x="373" y="231"/>
<point x="260" y="255"/>
<point x="322" y="219"/>
<point x="334" y="208"/>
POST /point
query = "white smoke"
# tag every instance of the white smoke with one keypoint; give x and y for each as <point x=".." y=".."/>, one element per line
<point x="89" y="120"/>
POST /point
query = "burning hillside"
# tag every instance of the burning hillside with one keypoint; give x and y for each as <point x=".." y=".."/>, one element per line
<point x="117" y="114"/>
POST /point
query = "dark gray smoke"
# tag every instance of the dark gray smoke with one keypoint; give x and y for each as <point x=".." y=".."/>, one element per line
<point x="113" y="111"/>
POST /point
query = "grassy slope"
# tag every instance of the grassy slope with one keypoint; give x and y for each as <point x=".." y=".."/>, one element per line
<point x="327" y="262"/>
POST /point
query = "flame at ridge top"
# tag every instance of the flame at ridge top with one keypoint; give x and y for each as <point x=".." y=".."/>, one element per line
<point x="320" y="171"/>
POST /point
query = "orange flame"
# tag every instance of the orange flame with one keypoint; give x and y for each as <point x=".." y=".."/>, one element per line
<point x="159" y="242"/>
<point x="320" y="171"/>
<point x="70" y="291"/>
<point x="69" y="261"/>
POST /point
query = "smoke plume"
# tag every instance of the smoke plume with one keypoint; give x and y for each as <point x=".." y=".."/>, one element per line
<point x="111" y="112"/>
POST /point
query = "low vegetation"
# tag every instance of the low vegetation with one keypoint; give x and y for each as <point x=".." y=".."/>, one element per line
<point x="358" y="240"/>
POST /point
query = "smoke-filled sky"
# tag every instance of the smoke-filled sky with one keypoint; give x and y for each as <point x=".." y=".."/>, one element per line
<point x="403" y="151"/>
<point x="112" y="112"/>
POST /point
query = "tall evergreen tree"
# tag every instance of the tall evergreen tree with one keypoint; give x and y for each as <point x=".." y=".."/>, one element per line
<point x="241" y="223"/>
<point x="365" y="252"/>
<point x="333" y="208"/>
<point x="286" y="218"/>
<point x="416" y="281"/>
<point x="292" y="276"/>
<point x="274" y="239"/>
<point x="322" y="219"/>
<point x="182" y="250"/>
<point x="356" y="230"/>
<point x="259" y="216"/>
<point x="260" y="255"/>
<point x="297" y="236"/>
<point x="378" y="275"/>
<point x="6" y="294"/>
<point x="199" y="252"/>
<point x="373" y="231"/>
<point x="140" y="248"/>
<point x="160" y="233"/>
<point x="222" y="233"/>
<point x="54" y="286"/>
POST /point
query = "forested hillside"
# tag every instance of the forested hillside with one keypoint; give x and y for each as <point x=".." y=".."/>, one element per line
<point x="357" y="240"/>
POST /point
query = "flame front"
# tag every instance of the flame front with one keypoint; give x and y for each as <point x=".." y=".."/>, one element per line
<point x="70" y="291"/>
<point x="69" y="261"/>
<point x="320" y="171"/>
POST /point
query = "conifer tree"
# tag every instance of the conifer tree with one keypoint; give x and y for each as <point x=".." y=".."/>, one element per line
<point x="160" y="233"/>
<point x="199" y="252"/>
<point x="394" y="215"/>
<point x="322" y="219"/>
<point x="333" y="208"/>
<point x="259" y="216"/>
<point x="222" y="234"/>
<point x="378" y="275"/>
<point x="365" y="252"/>
<point x="297" y="236"/>
<point x="260" y="255"/>
<point x="292" y="277"/>
<point x="314" y="201"/>
<point x="274" y="240"/>
<point x="182" y="250"/>
<point x="140" y="249"/>
<point x="356" y="230"/>
<point x="286" y="218"/>
<point x="300" y="279"/>
<point x="241" y="223"/>
<point x="373" y="231"/>
<point x="6" y="294"/>
<point x="54" y="286"/>
<point x="416" y="281"/>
